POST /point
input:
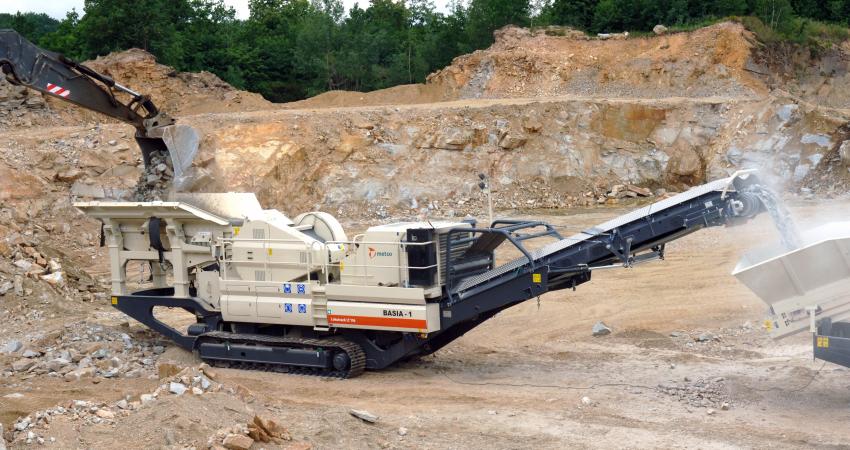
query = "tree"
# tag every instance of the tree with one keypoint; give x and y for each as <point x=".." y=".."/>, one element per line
<point x="574" y="13"/>
<point x="152" y="25"/>
<point x="289" y="49"/>
<point x="316" y="47"/>
<point x="839" y="11"/>
<point x="269" y="36"/>
<point x="31" y="25"/>
<point x="776" y="14"/>
<point x="724" y="8"/>
<point x="607" y="16"/>
<point x="206" y="38"/>
<point x="64" y="39"/>
<point x="678" y="13"/>
<point x="486" y="16"/>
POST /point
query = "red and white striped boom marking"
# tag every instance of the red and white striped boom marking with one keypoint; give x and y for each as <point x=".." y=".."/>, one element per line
<point x="58" y="90"/>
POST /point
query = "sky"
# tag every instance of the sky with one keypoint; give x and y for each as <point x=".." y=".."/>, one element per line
<point x="58" y="8"/>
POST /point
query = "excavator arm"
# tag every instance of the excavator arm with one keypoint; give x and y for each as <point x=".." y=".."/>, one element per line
<point x="50" y="73"/>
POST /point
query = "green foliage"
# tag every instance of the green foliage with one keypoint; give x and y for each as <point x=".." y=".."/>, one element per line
<point x="763" y="32"/>
<point x="776" y="14"/>
<point x="151" y="25"/>
<point x="485" y="16"/>
<point x="574" y="13"/>
<point x="290" y="49"/>
<point x="819" y="34"/>
<point x="29" y="24"/>
<point x="813" y="34"/>
<point x="64" y="38"/>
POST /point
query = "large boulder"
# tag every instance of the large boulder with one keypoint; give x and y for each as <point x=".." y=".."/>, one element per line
<point x="685" y="163"/>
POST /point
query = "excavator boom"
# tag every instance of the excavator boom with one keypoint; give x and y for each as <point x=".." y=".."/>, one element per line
<point x="52" y="74"/>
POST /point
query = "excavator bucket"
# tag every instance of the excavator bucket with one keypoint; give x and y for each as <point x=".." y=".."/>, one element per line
<point x="177" y="143"/>
<point x="182" y="143"/>
<point x="804" y="285"/>
<point x="23" y="63"/>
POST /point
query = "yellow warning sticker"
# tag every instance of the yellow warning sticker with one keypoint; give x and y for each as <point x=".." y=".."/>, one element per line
<point x="114" y="300"/>
<point x="536" y="278"/>
<point x="823" y="342"/>
<point x="270" y="252"/>
<point x="236" y="231"/>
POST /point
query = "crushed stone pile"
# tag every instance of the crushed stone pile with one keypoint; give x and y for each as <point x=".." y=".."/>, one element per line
<point x="84" y="351"/>
<point x="177" y="93"/>
<point x="28" y="264"/>
<point x="175" y="382"/>
<point x="700" y="393"/>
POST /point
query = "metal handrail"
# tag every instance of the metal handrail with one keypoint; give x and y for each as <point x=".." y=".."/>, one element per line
<point x="271" y="263"/>
<point x="508" y="231"/>
<point x="399" y="243"/>
<point x="388" y="267"/>
<point x="298" y="241"/>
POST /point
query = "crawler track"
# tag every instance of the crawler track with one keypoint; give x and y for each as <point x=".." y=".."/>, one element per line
<point x="334" y="344"/>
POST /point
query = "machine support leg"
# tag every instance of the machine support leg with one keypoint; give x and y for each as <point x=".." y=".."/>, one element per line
<point x="115" y="243"/>
<point x="178" y="258"/>
<point x="159" y="280"/>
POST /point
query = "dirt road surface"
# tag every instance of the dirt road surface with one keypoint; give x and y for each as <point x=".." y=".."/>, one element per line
<point x="687" y="366"/>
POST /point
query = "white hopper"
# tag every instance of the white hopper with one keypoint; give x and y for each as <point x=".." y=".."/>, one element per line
<point x="815" y="276"/>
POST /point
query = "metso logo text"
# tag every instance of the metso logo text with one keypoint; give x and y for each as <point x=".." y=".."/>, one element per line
<point x="373" y="253"/>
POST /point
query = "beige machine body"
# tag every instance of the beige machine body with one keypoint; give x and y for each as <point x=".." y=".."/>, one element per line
<point x="258" y="266"/>
<point x="378" y="257"/>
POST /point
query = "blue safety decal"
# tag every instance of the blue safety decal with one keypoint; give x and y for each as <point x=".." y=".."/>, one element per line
<point x="302" y="308"/>
<point x="302" y="289"/>
<point x="287" y="307"/>
<point x="287" y="288"/>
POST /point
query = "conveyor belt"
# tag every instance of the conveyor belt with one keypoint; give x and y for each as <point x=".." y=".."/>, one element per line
<point x="594" y="232"/>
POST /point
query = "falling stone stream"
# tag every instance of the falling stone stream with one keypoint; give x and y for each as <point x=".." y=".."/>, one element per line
<point x="781" y="217"/>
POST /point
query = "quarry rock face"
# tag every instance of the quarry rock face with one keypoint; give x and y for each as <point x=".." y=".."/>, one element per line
<point x="579" y="150"/>
<point x="642" y="111"/>
<point x="557" y="118"/>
